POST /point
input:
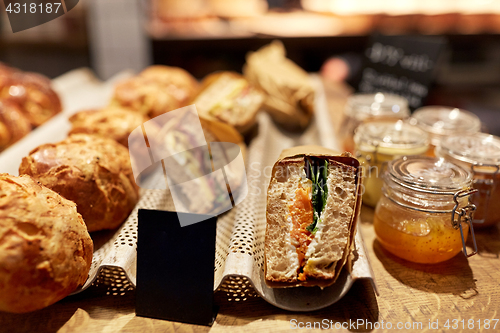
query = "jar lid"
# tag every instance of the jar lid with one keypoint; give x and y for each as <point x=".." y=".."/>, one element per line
<point x="391" y="137"/>
<point x="478" y="148"/>
<point x="362" y="106"/>
<point x="443" y="120"/>
<point x="428" y="173"/>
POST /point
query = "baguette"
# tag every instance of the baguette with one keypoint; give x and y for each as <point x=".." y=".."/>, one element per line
<point x="300" y="249"/>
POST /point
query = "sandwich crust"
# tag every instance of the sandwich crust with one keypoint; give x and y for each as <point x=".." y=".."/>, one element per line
<point x="45" y="249"/>
<point x="281" y="258"/>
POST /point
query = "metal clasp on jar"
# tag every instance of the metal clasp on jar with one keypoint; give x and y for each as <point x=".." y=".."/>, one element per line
<point x="464" y="214"/>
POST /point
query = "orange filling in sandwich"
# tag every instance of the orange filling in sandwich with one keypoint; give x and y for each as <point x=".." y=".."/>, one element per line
<point x="301" y="212"/>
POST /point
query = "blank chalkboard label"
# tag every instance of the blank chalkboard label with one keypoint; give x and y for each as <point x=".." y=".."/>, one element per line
<point x="175" y="267"/>
<point x="402" y="65"/>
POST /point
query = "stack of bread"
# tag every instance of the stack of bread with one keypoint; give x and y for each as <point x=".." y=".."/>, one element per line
<point x="45" y="246"/>
<point x="26" y="101"/>
<point x="79" y="185"/>
<point x="86" y="183"/>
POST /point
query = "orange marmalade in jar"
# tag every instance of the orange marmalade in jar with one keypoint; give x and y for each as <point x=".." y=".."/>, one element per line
<point x="479" y="153"/>
<point x="424" y="214"/>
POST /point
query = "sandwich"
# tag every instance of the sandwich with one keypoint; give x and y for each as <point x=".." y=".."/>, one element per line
<point x="313" y="201"/>
<point x="190" y="150"/>
<point x="289" y="95"/>
<point x="228" y="97"/>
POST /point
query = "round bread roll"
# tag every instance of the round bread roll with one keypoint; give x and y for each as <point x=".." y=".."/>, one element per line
<point x="45" y="249"/>
<point x="91" y="170"/>
<point x="112" y="122"/>
<point x="13" y="124"/>
<point x="34" y="95"/>
<point x="156" y="90"/>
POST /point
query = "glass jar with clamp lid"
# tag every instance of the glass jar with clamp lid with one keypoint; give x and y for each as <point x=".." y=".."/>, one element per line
<point x="480" y="153"/>
<point x="425" y="214"/>
<point x="380" y="142"/>
<point x="442" y="121"/>
<point x="362" y="108"/>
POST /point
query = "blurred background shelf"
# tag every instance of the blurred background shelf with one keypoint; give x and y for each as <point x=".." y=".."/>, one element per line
<point x="203" y="36"/>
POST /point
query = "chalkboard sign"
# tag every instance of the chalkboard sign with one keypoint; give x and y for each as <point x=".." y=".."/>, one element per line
<point x="402" y="65"/>
<point x="175" y="267"/>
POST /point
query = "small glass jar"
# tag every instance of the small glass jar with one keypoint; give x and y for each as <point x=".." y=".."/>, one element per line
<point x="380" y="142"/>
<point x="480" y="153"/>
<point x="442" y="121"/>
<point x="362" y="108"/>
<point x="424" y="214"/>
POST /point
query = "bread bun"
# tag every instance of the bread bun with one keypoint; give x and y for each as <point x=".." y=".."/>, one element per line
<point x="45" y="249"/>
<point x="92" y="171"/>
<point x="34" y="95"/>
<point x="156" y="90"/>
<point x="13" y="124"/>
<point x="113" y="122"/>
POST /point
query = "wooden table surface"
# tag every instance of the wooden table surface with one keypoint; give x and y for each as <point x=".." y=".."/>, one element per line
<point x="409" y="294"/>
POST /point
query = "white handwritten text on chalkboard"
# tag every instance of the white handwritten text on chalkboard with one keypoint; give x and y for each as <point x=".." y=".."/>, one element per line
<point x="375" y="81"/>
<point x="391" y="56"/>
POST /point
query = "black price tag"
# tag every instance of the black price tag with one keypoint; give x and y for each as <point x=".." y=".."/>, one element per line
<point x="175" y="267"/>
<point x="25" y="14"/>
<point x="402" y="65"/>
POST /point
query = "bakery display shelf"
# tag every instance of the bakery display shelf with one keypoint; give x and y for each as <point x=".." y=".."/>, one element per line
<point x="239" y="253"/>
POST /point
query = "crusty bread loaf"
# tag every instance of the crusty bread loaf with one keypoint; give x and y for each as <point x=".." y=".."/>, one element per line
<point x="330" y="244"/>
<point x="93" y="171"/>
<point x="13" y="124"/>
<point x="112" y="122"/>
<point x="156" y="90"/>
<point x="45" y="249"/>
<point x="34" y="95"/>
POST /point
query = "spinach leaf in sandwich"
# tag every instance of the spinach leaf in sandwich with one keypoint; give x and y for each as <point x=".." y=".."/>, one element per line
<point x="319" y="175"/>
